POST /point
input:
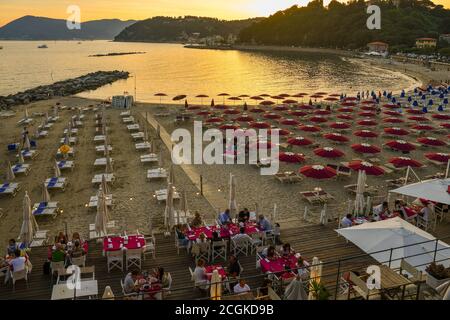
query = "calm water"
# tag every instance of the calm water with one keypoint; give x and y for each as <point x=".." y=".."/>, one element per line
<point x="172" y="69"/>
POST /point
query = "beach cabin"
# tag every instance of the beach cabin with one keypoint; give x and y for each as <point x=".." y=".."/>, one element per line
<point x="426" y="43"/>
<point x="378" y="46"/>
<point x="122" y="102"/>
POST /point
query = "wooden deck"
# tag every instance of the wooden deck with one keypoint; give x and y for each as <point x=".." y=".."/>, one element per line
<point x="315" y="240"/>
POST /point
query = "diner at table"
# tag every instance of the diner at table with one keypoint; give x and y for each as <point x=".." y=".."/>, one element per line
<point x="264" y="224"/>
<point x="225" y="217"/>
<point x="244" y="215"/>
<point x="197" y="220"/>
<point x="241" y="287"/>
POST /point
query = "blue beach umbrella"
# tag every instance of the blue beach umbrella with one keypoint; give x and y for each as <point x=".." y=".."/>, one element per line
<point x="430" y="102"/>
<point x="445" y="101"/>
<point x="415" y="103"/>
<point x="425" y="110"/>
<point x="440" y="108"/>
<point x="409" y="99"/>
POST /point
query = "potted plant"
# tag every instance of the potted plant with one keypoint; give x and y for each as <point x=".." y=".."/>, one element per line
<point x="319" y="291"/>
<point x="437" y="274"/>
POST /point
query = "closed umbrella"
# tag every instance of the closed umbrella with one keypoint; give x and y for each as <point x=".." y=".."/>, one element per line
<point x="102" y="216"/>
<point x="21" y="159"/>
<point x="360" y="186"/>
<point x="109" y="167"/>
<point x="26" y="143"/>
<point x="295" y="290"/>
<point x="57" y="170"/>
<point x="171" y="176"/>
<point x="45" y="194"/>
<point x="10" y="176"/>
<point x="216" y="286"/>
<point x="29" y="224"/>
<point x="274" y="213"/>
<point x="232" y="199"/>
<point x="169" y="210"/>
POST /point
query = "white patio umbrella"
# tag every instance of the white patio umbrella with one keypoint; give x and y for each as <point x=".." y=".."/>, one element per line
<point x="360" y="186"/>
<point x="10" y="176"/>
<point x="109" y="166"/>
<point x="21" y="159"/>
<point x="433" y="190"/>
<point x="45" y="194"/>
<point x="406" y="241"/>
<point x="104" y="185"/>
<point x="216" y="286"/>
<point x="57" y="171"/>
<point x="295" y="290"/>
<point x="169" y="211"/>
<point x="102" y="217"/>
<point x="26" y="143"/>
<point x="232" y="199"/>
<point x="29" y="225"/>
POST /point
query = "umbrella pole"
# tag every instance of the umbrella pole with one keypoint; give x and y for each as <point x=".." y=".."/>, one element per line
<point x="447" y="170"/>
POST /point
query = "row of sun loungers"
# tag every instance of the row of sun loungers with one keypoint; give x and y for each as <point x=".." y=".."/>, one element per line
<point x="161" y="195"/>
<point x="9" y="189"/>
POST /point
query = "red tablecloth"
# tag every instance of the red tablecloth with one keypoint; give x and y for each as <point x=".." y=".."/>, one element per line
<point x="117" y="243"/>
<point x="278" y="265"/>
<point x="249" y="229"/>
<point x="209" y="271"/>
<point x="224" y="233"/>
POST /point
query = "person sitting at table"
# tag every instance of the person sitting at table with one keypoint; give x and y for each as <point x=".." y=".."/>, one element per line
<point x="241" y="287"/>
<point x="347" y="221"/>
<point x="200" y="278"/>
<point x="264" y="224"/>
<point x="197" y="220"/>
<point x="425" y="212"/>
<point x="381" y="211"/>
<point x="77" y="250"/>
<point x="225" y="217"/>
<point x="129" y="283"/>
<point x="303" y="267"/>
<point x="286" y="250"/>
<point x="182" y="239"/>
<point x="399" y="209"/>
<point x="241" y="236"/>
<point x="76" y="236"/>
<point x="234" y="268"/>
<point x="202" y="238"/>
<point x="215" y="236"/>
<point x="12" y="247"/>
<point x="277" y="233"/>
<point x="61" y="238"/>
<point x="244" y="215"/>
<point x="18" y="263"/>
<point x="270" y="253"/>
<point x="58" y="255"/>
<point x="161" y="276"/>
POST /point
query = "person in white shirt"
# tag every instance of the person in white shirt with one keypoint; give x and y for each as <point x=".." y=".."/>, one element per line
<point x="241" y="236"/>
<point x="18" y="263"/>
<point x="347" y="221"/>
<point x="199" y="276"/>
<point x="241" y="287"/>
<point x="425" y="212"/>
<point x="380" y="211"/>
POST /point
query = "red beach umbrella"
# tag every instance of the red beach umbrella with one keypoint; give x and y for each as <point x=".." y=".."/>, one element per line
<point x="365" y="148"/>
<point x="336" y="137"/>
<point x="318" y="171"/>
<point x="392" y="120"/>
<point x="344" y="117"/>
<point x="309" y="128"/>
<point x="321" y="93"/>
<point x="430" y="141"/>
<point x="367" y="102"/>
<point x="331" y="99"/>
<point x="259" y="125"/>
<point x="289" y="122"/>
<point x="423" y="127"/>
<point x="340" y="125"/>
<point x="297" y="113"/>
<point x="365" y="134"/>
<point x="203" y="113"/>
<point x="348" y="104"/>
<point x="305" y="107"/>
<point x="438" y="156"/>
<point x="369" y="168"/>
<point x="224" y="94"/>
<point x="327" y="152"/>
<point x="160" y="94"/>
<point x="228" y="126"/>
<point x="334" y="95"/>
<point x="441" y="116"/>
<point x="316" y="96"/>
<point x="214" y="120"/>
<point x="281" y="108"/>
<point x="345" y="109"/>
<point x="272" y="115"/>
<point x="179" y="97"/>
<point x="264" y="95"/>
<point x="396" y="131"/>
<point x="284" y="95"/>
<point x="393" y="113"/>
<point x="244" y="118"/>
<point x="322" y="112"/>
<point x="291" y="157"/>
<point x="418" y="118"/>
<point x="415" y="111"/>
<point x="194" y="107"/>
<point x="400" y="145"/>
<point x="257" y="110"/>
<point x="299" y="141"/>
<point x="289" y="101"/>
<point x="367" y="114"/>
<point x="368" y="108"/>
<point x="281" y="132"/>
<point x="400" y="162"/>
<point x="367" y="122"/>
<point x="318" y="119"/>
<point x="350" y="99"/>
<point x="266" y="103"/>
<point x="445" y="125"/>
<point x="220" y="106"/>
<point x="231" y="111"/>
<point x="298" y="95"/>
<point x="243" y="96"/>
<point x="390" y="106"/>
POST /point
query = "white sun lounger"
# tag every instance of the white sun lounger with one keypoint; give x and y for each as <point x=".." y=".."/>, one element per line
<point x="125" y="114"/>
<point x="46" y="126"/>
<point x="29" y="154"/>
<point x="78" y="123"/>
<point x="148" y="158"/>
<point x="133" y="127"/>
<point x="21" y="168"/>
<point x="53" y="119"/>
<point x="73" y="131"/>
<point x="93" y="201"/>
<point x="99" y="138"/>
<point x="143" y="146"/>
<point x="157" y="173"/>
<point x="137" y="136"/>
<point x="25" y="121"/>
<point x="42" y="134"/>
<point x="161" y="195"/>
<point x="71" y="153"/>
<point x="101" y="148"/>
<point x="128" y="120"/>
<point x="9" y="188"/>
<point x="108" y="176"/>
<point x="63" y="165"/>
<point x="45" y="209"/>
<point x="56" y="183"/>
<point x="72" y="140"/>
<point x="101" y="162"/>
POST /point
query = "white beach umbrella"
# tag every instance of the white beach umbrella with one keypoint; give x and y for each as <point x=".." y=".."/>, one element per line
<point x="26" y="143"/>
<point x="406" y="241"/>
<point x="45" y="194"/>
<point x="102" y="217"/>
<point x="29" y="225"/>
<point x="158" y="131"/>
<point x="26" y="113"/>
<point x="360" y="186"/>
<point x="433" y="190"/>
<point x="295" y="290"/>
<point x="171" y="175"/>
<point x="153" y="146"/>
<point x="323" y="215"/>
<point x="46" y="117"/>
<point x="10" y="176"/>
<point x="104" y="185"/>
<point x="21" y="159"/>
<point x="232" y="199"/>
<point x="368" y="206"/>
<point x="184" y="203"/>
<point x="145" y="134"/>
<point x="109" y="166"/>
<point x="169" y="211"/>
<point x="257" y="210"/>
<point x="57" y="171"/>
<point x="216" y="286"/>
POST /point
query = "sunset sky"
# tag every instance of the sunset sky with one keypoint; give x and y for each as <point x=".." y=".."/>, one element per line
<point x="141" y="9"/>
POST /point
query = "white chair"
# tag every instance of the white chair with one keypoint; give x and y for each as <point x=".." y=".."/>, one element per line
<point x="134" y="258"/>
<point x="55" y="267"/>
<point x="219" y="250"/>
<point x="79" y="261"/>
<point x="179" y="245"/>
<point x="192" y="274"/>
<point x="114" y="260"/>
<point x="19" y="275"/>
<point x="150" y="247"/>
<point x="267" y="236"/>
<point x="201" y="250"/>
<point x="239" y="245"/>
<point x="166" y="290"/>
<point x="134" y="295"/>
<point x="256" y="241"/>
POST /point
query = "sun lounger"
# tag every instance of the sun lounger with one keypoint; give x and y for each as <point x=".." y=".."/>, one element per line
<point x="101" y="149"/>
<point x="78" y="124"/>
<point x="143" y="146"/>
<point x="42" y="134"/>
<point x="161" y="195"/>
<point x="71" y="153"/>
<point x="388" y="170"/>
<point x="46" y="126"/>
<point x="45" y="209"/>
<point x="128" y="120"/>
<point x="64" y="165"/>
<point x="133" y="127"/>
<point x="21" y="168"/>
<point x="263" y="163"/>
<point x="99" y="139"/>
<point x="288" y="177"/>
<point x="73" y="131"/>
<point x="56" y="183"/>
<point x="25" y="121"/>
<point x="95" y="235"/>
<point x="341" y="171"/>
<point x="125" y="114"/>
<point x="101" y="162"/>
<point x="156" y="173"/>
<point x="13" y="146"/>
<point x="311" y="197"/>
<point x="109" y="177"/>
<point x="395" y="183"/>
<point x="72" y="140"/>
<point x="137" y="136"/>
<point x="149" y="158"/>
<point x="29" y="154"/>
<point x="9" y="189"/>
<point x="368" y="190"/>
<point x="93" y="201"/>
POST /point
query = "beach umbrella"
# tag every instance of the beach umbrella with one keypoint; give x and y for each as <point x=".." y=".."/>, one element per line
<point x="184" y="204"/>
<point x="243" y="96"/>
<point x="169" y="214"/>
<point x="289" y="101"/>
<point x="367" y="122"/>
<point x="10" y="176"/>
<point x="29" y="224"/>
<point x="171" y="175"/>
<point x="360" y="187"/>
<point x="266" y="103"/>
<point x="109" y="167"/>
<point x="419" y="118"/>
<point x="104" y="185"/>
<point x="414" y="111"/>
<point x="365" y="134"/>
<point x="336" y="137"/>
<point x="401" y="162"/>
<point x="304" y="107"/>
<point x="445" y="125"/>
<point x="322" y="112"/>
<point x="441" y="116"/>
<point x="231" y="111"/>
<point x="309" y="128"/>
<point x="438" y="156"/>
<point x="390" y="106"/>
<point x="340" y="125"/>
<point x="45" y="194"/>
<point x="297" y="113"/>
<point x="203" y="113"/>
<point x="216" y="285"/>
<point x="281" y="108"/>
<point x="257" y="98"/>
<point x="284" y="95"/>
<point x="431" y="141"/>
<point x="396" y="131"/>
<point x="345" y="109"/>
<point x="295" y="290"/>
<point x="234" y="99"/>
<point x="201" y="96"/>
<point x="367" y="114"/>
<point x="21" y="159"/>
<point x="57" y="172"/>
<point x="327" y="152"/>
<point x="318" y="119"/>
<point x="369" y="108"/>
<point x="299" y="141"/>
<point x="179" y="97"/>
<point x="348" y="104"/>
<point x="393" y="120"/>
<point x="257" y="110"/>
<point x="244" y="118"/>
<point x="278" y="131"/>
<point x="271" y="115"/>
<point x="214" y="120"/>
<point x="367" y="167"/>
<point x="331" y="99"/>
<point x="365" y="148"/>
<point x="229" y="126"/>
<point x="160" y="95"/>
<point x="26" y="143"/>
<point x="423" y="127"/>
<point x="400" y="145"/>
<point x="274" y="212"/>
<point x="259" y="125"/>
<point x="344" y="117"/>
<point x="291" y="157"/>
<point x="232" y="196"/>
<point x="318" y="171"/>
<point x="102" y="216"/>
<point x="289" y="122"/>
<point x="393" y="113"/>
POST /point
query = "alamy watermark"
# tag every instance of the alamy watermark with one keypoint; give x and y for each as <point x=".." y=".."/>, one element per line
<point x="73" y="21"/>
<point x="374" y="20"/>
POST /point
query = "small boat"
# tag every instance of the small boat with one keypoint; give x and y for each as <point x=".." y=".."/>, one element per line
<point x="43" y="46"/>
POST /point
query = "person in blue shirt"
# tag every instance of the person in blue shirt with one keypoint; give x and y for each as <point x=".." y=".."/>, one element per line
<point x="225" y="217"/>
<point x="264" y="224"/>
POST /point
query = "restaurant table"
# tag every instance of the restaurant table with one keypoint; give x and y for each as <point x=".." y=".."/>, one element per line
<point x="117" y="243"/>
<point x="233" y="229"/>
<point x="391" y="281"/>
<point x="210" y="269"/>
<point x="89" y="288"/>
<point x="240" y="296"/>
<point x="278" y="265"/>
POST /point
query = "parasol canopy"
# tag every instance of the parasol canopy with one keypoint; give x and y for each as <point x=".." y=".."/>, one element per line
<point x="367" y="167"/>
<point x="431" y="141"/>
<point x="396" y="131"/>
<point x="318" y="171"/>
<point x="365" y="134"/>
<point x="438" y="156"/>
<point x="336" y="137"/>
<point x="299" y="141"/>
<point x="327" y="152"/>
<point x="309" y="128"/>
<point x="401" y="145"/>
<point x="340" y="125"/>
<point x="291" y="157"/>
<point x="365" y="148"/>
<point x="401" y="162"/>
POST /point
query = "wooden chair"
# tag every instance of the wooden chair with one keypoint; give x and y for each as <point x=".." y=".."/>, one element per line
<point x="415" y="276"/>
<point x="114" y="259"/>
<point x="361" y="288"/>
